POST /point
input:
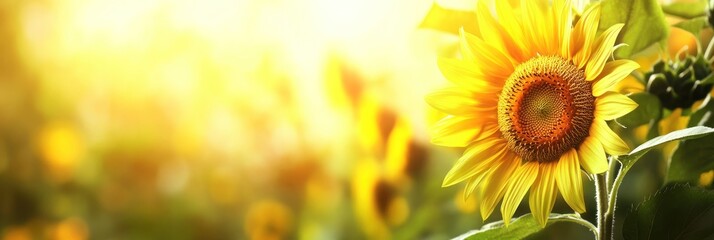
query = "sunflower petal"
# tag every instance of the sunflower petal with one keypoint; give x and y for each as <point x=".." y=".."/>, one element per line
<point x="493" y="32"/>
<point x="601" y="52"/>
<point x="569" y="181"/>
<point x="472" y="184"/>
<point x="518" y="186"/>
<point x="581" y="42"/>
<point x="494" y="188"/>
<point x="564" y="19"/>
<point x="494" y="62"/>
<point x="476" y="159"/>
<point x="612" y="73"/>
<point x="457" y="101"/>
<point x="458" y="131"/>
<point x="613" y="105"/>
<point x="466" y="51"/>
<point x="543" y="193"/>
<point x="534" y="26"/>
<point x="511" y="24"/>
<point x="613" y="144"/>
<point x="592" y="156"/>
<point x="465" y="74"/>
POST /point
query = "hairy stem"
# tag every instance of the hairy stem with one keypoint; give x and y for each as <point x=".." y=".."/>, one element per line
<point x="602" y="206"/>
<point x="610" y="213"/>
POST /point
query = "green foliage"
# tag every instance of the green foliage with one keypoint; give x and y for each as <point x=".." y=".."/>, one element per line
<point x="519" y="228"/>
<point x="684" y="134"/>
<point x="649" y="108"/>
<point x="677" y="211"/>
<point x="449" y="20"/>
<point x="694" y="25"/>
<point x="644" y="23"/>
<point x="692" y="157"/>
<point x="686" y="10"/>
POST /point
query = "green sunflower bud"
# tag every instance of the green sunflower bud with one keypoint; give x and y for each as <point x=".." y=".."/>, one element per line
<point x="657" y="84"/>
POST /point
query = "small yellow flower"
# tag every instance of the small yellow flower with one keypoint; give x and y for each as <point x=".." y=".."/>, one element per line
<point x="530" y="103"/>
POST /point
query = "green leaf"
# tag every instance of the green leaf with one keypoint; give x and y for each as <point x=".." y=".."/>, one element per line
<point x="677" y="211"/>
<point x="693" y="157"/>
<point x="694" y="25"/>
<point x="520" y="227"/>
<point x="639" y="151"/>
<point x="449" y="20"/>
<point x="649" y="108"/>
<point x="703" y="115"/>
<point x="687" y="10"/>
<point x="644" y="23"/>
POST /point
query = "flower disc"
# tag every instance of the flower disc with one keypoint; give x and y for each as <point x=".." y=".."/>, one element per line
<point x="546" y="107"/>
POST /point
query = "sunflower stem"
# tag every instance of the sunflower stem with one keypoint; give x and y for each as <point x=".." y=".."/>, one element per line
<point x="602" y="206"/>
<point x="610" y="213"/>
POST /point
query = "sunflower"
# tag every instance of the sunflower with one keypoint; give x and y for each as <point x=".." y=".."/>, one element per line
<point x="530" y="104"/>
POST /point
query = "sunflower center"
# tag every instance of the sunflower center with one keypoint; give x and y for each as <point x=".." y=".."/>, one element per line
<point x="545" y="108"/>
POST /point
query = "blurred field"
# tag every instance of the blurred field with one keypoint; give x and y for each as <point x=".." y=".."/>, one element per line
<point x="277" y="119"/>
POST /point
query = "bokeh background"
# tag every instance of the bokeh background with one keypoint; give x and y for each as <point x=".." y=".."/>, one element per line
<point x="232" y="119"/>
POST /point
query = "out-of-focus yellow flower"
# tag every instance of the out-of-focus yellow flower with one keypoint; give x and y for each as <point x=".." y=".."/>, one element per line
<point x="465" y="204"/>
<point x="375" y="123"/>
<point x="268" y="220"/>
<point x="62" y="149"/>
<point x="322" y="193"/>
<point x="17" y="233"/>
<point x="222" y="187"/>
<point x="681" y="41"/>
<point x="70" y="229"/>
<point x="706" y="178"/>
<point x="344" y="85"/>
<point x="532" y="97"/>
<point x="405" y="157"/>
<point x="378" y="202"/>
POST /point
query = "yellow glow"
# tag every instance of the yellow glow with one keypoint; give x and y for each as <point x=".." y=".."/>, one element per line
<point x="61" y="147"/>
<point x="706" y="178"/>
<point x="71" y="229"/>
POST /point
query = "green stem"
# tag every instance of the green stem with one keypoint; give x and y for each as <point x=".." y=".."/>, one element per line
<point x="602" y="201"/>
<point x="610" y="213"/>
<point x="609" y="175"/>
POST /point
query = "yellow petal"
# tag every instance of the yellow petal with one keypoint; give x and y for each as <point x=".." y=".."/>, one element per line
<point x="583" y="35"/>
<point x="613" y="105"/>
<point x="564" y="23"/>
<point x="543" y="193"/>
<point x="613" y="144"/>
<point x="472" y="183"/>
<point x="494" y="188"/>
<point x="491" y="61"/>
<point x="518" y="186"/>
<point x="466" y="74"/>
<point x="569" y="181"/>
<point x="592" y="155"/>
<point x="493" y="32"/>
<point x="534" y="26"/>
<point x="466" y="51"/>
<point x="476" y="159"/>
<point x="458" y="101"/>
<point x="612" y="73"/>
<point x="602" y="50"/>
<point x="457" y="131"/>
<point x="511" y="24"/>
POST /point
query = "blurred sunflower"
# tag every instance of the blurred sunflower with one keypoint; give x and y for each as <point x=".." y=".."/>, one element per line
<point x="530" y="105"/>
<point x="379" y="204"/>
<point x="267" y="220"/>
